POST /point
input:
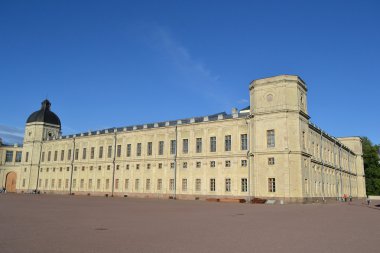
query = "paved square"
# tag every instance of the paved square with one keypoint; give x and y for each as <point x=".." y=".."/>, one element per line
<point x="54" y="223"/>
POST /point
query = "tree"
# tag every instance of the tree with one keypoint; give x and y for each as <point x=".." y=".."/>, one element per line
<point x="371" y="167"/>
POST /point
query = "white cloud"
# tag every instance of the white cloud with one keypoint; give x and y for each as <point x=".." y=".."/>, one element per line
<point x="242" y="101"/>
<point x="11" y="135"/>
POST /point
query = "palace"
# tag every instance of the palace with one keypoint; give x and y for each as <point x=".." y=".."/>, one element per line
<point x="268" y="150"/>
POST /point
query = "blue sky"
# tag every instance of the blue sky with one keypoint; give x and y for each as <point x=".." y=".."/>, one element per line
<point x="116" y="63"/>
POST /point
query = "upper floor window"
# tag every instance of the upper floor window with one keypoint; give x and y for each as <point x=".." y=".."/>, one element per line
<point x="109" y="153"/>
<point x="213" y="144"/>
<point x="118" y="151"/>
<point x="129" y="150"/>
<point x="26" y="156"/>
<point x="243" y="142"/>
<point x="49" y="156"/>
<point x="138" y="151"/>
<point x="18" y="156"/>
<point x="161" y="147"/>
<point x="150" y="148"/>
<point x="76" y="154"/>
<point x="173" y="147"/>
<point x="198" y="146"/>
<point x="92" y="153"/>
<point x="84" y="153"/>
<point x="185" y="146"/>
<point x="43" y="156"/>
<point x="101" y="152"/>
<point x="270" y="138"/>
<point x="55" y="155"/>
<point x="68" y="154"/>
<point x="227" y="143"/>
<point x="62" y="155"/>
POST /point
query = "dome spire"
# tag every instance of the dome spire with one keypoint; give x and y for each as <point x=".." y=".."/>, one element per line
<point x="45" y="105"/>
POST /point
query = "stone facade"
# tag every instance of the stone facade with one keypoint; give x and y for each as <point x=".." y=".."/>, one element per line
<point x="270" y="151"/>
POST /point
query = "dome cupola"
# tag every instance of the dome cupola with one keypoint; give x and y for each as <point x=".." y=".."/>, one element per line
<point x="44" y="115"/>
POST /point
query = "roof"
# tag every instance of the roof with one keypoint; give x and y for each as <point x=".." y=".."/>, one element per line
<point x="44" y="115"/>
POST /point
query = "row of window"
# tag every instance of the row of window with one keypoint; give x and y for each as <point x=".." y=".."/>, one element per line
<point x="173" y="149"/>
<point x="159" y="186"/>
<point x="9" y="156"/>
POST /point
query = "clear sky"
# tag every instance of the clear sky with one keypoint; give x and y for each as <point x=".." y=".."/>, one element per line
<point x="116" y="63"/>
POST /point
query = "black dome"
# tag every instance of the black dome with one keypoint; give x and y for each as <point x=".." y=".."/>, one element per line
<point x="44" y="115"/>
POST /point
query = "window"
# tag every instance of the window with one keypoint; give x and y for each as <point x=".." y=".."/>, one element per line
<point x="90" y="184"/>
<point x="198" y="145"/>
<point x="46" y="183"/>
<point x="74" y="183"/>
<point x="40" y="182"/>
<point x="161" y="147"/>
<point x="160" y="165"/>
<point x="243" y="163"/>
<point x="147" y="184"/>
<point x="52" y="183"/>
<point x="91" y="168"/>
<point x="148" y="166"/>
<point x="270" y="139"/>
<point x="81" y="183"/>
<point x="126" y="184"/>
<point x="23" y="182"/>
<point x="118" y="151"/>
<point x="271" y="161"/>
<point x="198" y="184"/>
<point x="137" y="166"/>
<point x="26" y="156"/>
<point x="62" y="155"/>
<point x="159" y="184"/>
<point x="303" y="140"/>
<point x="76" y="154"/>
<point x="243" y="142"/>
<point x="108" y="167"/>
<point x="228" y="185"/>
<point x="172" y="165"/>
<point x="49" y="156"/>
<point x="43" y="157"/>
<point x="8" y="156"/>
<point x="171" y="184"/>
<point x="117" y="167"/>
<point x="137" y="184"/>
<point x="98" y="182"/>
<point x="244" y="184"/>
<point x="69" y="155"/>
<point x="66" y="183"/>
<point x="184" y="184"/>
<point x="99" y="168"/>
<point x="227" y="143"/>
<point x="75" y="168"/>
<point x="18" y="156"/>
<point x="59" y="183"/>
<point x="185" y="146"/>
<point x="150" y="148"/>
<point x="138" y="149"/>
<point x="129" y="150"/>
<point x="82" y="168"/>
<point x="184" y="165"/>
<point x="107" y="183"/>
<point x="212" y="164"/>
<point x="212" y="184"/>
<point x="55" y="155"/>
<point x="198" y="165"/>
<point x="68" y="169"/>
<point x="213" y="144"/>
<point x="92" y="153"/>
<point x="271" y="184"/>
<point x="84" y="154"/>
<point x="173" y="147"/>
<point x="109" y="153"/>
<point x="116" y="184"/>
<point x="228" y="163"/>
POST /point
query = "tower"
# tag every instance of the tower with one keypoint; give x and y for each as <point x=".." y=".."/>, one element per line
<point x="40" y="126"/>
<point x="280" y="123"/>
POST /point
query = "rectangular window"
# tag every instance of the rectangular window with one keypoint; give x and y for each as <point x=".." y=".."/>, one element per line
<point x="98" y="182"/>
<point x="148" y="166"/>
<point x="213" y="144"/>
<point x="198" y="145"/>
<point x="46" y="183"/>
<point x="59" y="183"/>
<point x="99" y="168"/>
<point x="271" y="161"/>
<point x="18" y="156"/>
<point x="271" y="184"/>
<point x="62" y="155"/>
<point x="90" y="184"/>
<point x="185" y="146"/>
<point x="108" y="167"/>
<point x="150" y="148"/>
<point x="116" y="184"/>
<point x="171" y="184"/>
<point x="109" y="153"/>
<point x="227" y="143"/>
<point x="228" y="185"/>
<point x="55" y="155"/>
<point x="198" y="164"/>
<point x="66" y="183"/>
<point x="43" y="157"/>
<point x="212" y="164"/>
<point x="118" y="151"/>
<point x="198" y="184"/>
<point x="126" y="184"/>
<point x="228" y="163"/>
<point x="159" y="184"/>
<point x="137" y="166"/>
<point x="49" y="156"/>
<point x="138" y="150"/>
<point x="82" y="183"/>
<point x="147" y="184"/>
<point x="160" y="165"/>
<point x="243" y="142"/>
<point x="26" y="156"/>
<point x="270" y="138"/>
<point x="161" y="147"/>
<point x="172" y="165"/>
<point x="184" y="184"/>
<point x="243" y="163"/>
<point x="173" y="147"/>
<point x="52" y="183"/>
<point x="76" y="154"/>
<point x="84" y="154"/>
<point x="127" y="167"/>
<point x="212" y="185"/>
<point x="244" y="185"/>
<point x="107" y="183"/>
<point x="74" y="183"/>
<point x="184" y="165"/>
<point x="23" y="182"/>
<point x="129" y="150"/>
<point x="92" y="153"/>
<point x="137" y="184"/>
<point x="69" y="155"/>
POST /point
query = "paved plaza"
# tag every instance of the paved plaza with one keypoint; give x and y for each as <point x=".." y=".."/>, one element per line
<point x="55" y="223"/>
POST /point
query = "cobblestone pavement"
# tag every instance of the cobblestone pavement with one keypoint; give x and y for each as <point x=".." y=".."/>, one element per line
<point x="54" y="223"/>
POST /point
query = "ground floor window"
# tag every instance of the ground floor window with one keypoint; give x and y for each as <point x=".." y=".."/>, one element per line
<point x="126" y="184"/>
<point x="171" y="184"/>
<point x="147" y="184"/>
<point x="159" y="184"/>
<point x="271" y="184"/>
<point x="244" y="185"/>
<point x="198" y="184"/>
<point x="212" y="184"/>
<point x="228" y="185"/>
<point x="98" y="184"/>
<point x="184" y="184"/>
<point x="137" y="182"/>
